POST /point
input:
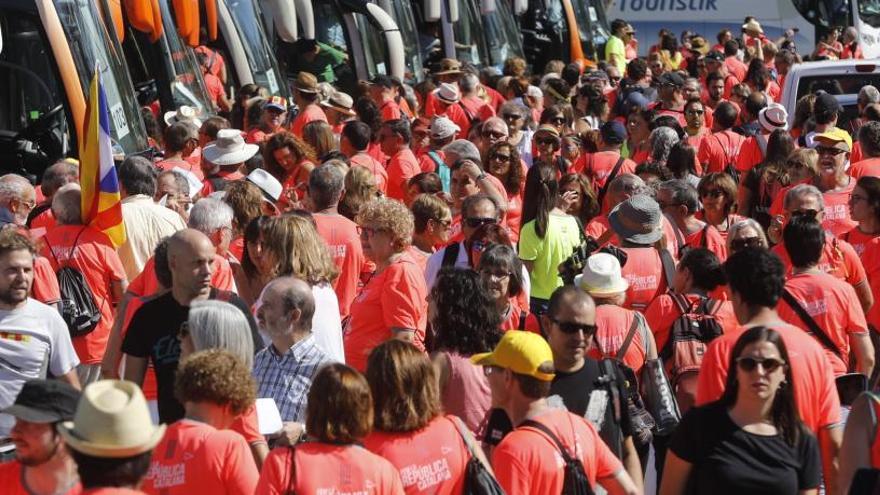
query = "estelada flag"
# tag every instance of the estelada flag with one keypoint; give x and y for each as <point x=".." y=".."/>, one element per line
<point x="101" y="202"/>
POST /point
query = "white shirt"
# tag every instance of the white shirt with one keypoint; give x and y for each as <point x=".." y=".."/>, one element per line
<point x="33" y="340"/>
<point x="435" y="263"/>
<point x="146" y="223"/>
<point x="326" y="324"/>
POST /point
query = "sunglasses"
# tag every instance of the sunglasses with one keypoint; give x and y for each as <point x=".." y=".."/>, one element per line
<point x="745" y="242"/>
<point x="477" y="222"/>
<point x="499" y="157"/>
<point x="571" y="328"/>
<point x="547" y="141"/>
<point x="749" y="364"/>
<point x="828" y="150"/>
<point x="493" y="135"/>
<point x="558" y="120"/>
<point x="807" y="212"/>
<point x="511" y="116"/>
<point x="713" y="193"/>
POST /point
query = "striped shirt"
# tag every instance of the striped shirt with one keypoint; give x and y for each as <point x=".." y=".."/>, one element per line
<point x="287" y="378"/>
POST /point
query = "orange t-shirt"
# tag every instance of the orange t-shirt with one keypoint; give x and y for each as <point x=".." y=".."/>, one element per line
<point x="96" y="258"/>
<point x="527" y="461"/>
<point x="397" y="297"/>
<point x="868" y="166"/>
<point x="185" y="164"/>
<point x="598" y="166"/>
<point x="342" y="239"/>
<point x="513" y="215"/>
<point x="343" y="469"/>
<point x="513" y="321"/>
<point x="456" y="114"/>
<point x="247" y="425"/>
<point x="196" y="456"/>
<point x="11" y="476"/>
<point x="836" y="220"/>
<point x="256" y="136"/>
<point x="868" y="249"/>
<point x="833" y="304"/>
<point x="44" y="220"/>
<point x="719" y="149"/>
<point x="750" y="154"/>
<point x="363" y="159"/>
<point x="390" y="110"/>
<point x="663" y="312"/>
<point x="614" y="323"/>
<point x="438" y="470"/>
<point x="402" y="167"/>
<point x="45" y="287"/>
<point x="696" y="140"/>
<point x="308" y="114"/>
<point x="708" y="238"/>
<point x="644" y="272"/>
<point x="838" y="259"/>
<point x="146" y="284"/>
<point x="426" y="163"/>
<point x="816" y="397"/>
<point x="857" y="154"/>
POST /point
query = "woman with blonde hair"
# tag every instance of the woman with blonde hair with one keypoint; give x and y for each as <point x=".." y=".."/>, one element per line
<point x="360" y="188"/>
<point x="393" y="303"/>
<point x="319" y="135"/>
<point x="291" y="246"/>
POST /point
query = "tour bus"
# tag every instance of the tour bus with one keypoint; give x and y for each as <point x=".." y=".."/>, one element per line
<point x="570" y="30"/>
<point x="707" y="17"/>
<point x="49" y="50"/>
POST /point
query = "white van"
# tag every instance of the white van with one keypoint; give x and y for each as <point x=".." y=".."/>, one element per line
<point x="841" y="78"/>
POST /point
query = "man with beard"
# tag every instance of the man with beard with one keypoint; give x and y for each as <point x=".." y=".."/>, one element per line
<point x="154" y="328"/>
<point x="42" y="464"/>
<point x="34" y="339"/>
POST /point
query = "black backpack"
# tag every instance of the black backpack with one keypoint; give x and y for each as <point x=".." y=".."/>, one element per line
<point x="576" y="480"/>
<point x="78" y="308"/>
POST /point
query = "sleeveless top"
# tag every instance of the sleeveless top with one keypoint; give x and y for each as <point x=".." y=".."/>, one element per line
<point x="466" y="394"/>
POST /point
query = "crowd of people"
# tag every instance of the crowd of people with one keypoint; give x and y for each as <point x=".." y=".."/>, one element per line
<point x="545" y="277"/>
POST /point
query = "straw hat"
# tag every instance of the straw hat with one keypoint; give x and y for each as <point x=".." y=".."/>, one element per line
<point x="183" y="114"/>
<point x="229" y="148"/>
<point x="340" y="102"/>
<point x="602" y="276"/>
<point x="112" y="420"/>
<point x="448" y="93"/>
<point x="753" y="26"/>
<point x="449" y="66"/>
<point x="306" y="82"/>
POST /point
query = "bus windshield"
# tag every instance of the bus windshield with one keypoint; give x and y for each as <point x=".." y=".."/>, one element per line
<point x="591" y="21"/>
<point x="187" y="84"/>
<point x="869" y="12"/>
<point x="469" y="47"/>
<point x="502" y="35"/>
<point x="246" y="17"/>
<point x="375" y="49"/>
<point x="92" y="46"/>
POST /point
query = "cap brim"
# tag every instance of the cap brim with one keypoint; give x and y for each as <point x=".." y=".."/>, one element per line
<point x="307" y="90"/>
<point x="230" y="158"/>
<point x="620" y="288"/>
<point x="483" y="359"/>
<point x="66" y="431"/>
<point x="276" y="107"/>
<point x="448" y="73"/>
<point x="31" y="415"/>
<point x="342" y="110"/>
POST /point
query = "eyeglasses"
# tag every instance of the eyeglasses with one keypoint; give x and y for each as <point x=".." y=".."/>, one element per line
<point x="477" y="222"/>
<point x="493" y="134"/>
<point x="558" y="120"/>
<point x="511" y="116"/>
<point x="500" y="158"/>
<point x="712" y="193"/>
<point x="571" y="328"/>
<point x="745" y="242"/>
<point x="443" y="223"/>
<point x="367" y="232"/>
<point x="828" y="150"/>
<point x="805" y="212"/>
<point x="749" y="364"/>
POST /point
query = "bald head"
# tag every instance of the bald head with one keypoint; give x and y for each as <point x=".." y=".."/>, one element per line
<point x="187" y="239"/>
<point x="624" y="186"/>
<point x="287" y="306"/>
<point x="568" y="298"/>
<point x="191" y="261"/>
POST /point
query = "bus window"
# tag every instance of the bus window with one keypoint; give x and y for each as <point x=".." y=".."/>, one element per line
<point x="869" y="12"/>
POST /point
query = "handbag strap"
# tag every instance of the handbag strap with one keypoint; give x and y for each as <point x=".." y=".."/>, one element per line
<point x="601" y="196"/>
<point x="629" y="337"/>
<point x="553" y="438"/>
<point x="72" y="249"/>
<point x="814" y="327"/>
<point x="668" y="266"/>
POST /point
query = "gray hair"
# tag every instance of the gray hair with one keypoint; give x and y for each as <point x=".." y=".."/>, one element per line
<point x="746" y="223"/>
<point x="662" y="140"/>
<point x="179" y="180"/>
<point x="462" y="149"/>
<point x="627" y="184"/>
<point x="209" y="215"/>
<point x="683" y="194"/>
<point x="66" y="204"/>
<point x="13" y="186"/>
<point x="326" y="183"/>
<point x="801" y="190"/>
<point x="60" y="173"/>
<point x="468" y="82"/>
<point x="220" y="325"/>
<point x="869" y="94"/>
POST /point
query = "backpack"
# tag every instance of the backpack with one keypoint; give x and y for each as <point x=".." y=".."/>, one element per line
<point x="576" y="481"/>
<point x="441" y="169"/>
<point x="730" y="155"/>
<point x="78" y="308"/>
<point x="683" y="353"/>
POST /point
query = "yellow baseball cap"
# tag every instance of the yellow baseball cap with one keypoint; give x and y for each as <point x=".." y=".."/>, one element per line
<point x="520" y="352"/>
<point x="836" y="135"/>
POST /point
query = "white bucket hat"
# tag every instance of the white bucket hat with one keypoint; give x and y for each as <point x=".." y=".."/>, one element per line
<point x="268" y="184"/>
<point x="183" y="114"/>
<point x="442" y="128"/>
<point x="602" y="276"/>
<point x="448" y="93"/>
<point x="112" y="420"/>
<point x="229" y="148"/>
<point x="773" y="117"/>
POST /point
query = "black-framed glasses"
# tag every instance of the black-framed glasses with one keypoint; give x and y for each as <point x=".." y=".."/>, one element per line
<point x="570" y="327"/>
<point x="828" y="150"/>
<point x="500" y="157"/>
<point x="745" y="242"/>
<point x="477" y="222"/>
<point x="749" y="364"/>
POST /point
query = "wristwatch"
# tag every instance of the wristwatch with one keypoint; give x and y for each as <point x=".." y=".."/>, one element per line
<point x="482" y="176"/>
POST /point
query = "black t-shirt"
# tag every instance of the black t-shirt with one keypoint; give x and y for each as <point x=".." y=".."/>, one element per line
<point x="152" y="334"/>
<point x="574" y="389"/>
<point x="727" y="459"/>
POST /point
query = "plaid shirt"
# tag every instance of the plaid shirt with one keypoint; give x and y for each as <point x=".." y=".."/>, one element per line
<point x="287" y="378"/>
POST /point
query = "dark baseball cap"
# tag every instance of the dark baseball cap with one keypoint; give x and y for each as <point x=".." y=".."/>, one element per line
<point x="613" y="132"/>
<point x="715" y="56"/>
<point x="671" y="79"/>
<point x="382" y="80"/>
<point x="45" y="401"/>
<point x="825" y="104"/>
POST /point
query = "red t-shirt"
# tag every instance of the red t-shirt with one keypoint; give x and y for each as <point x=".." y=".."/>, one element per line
<point x="342" y="239"/>
<point x="598" y="166"/>
<point x="432" y="460"/>
<point x="719" y="149"/>
<point x="477" y="108"/>
<point x="427" y="164"/>
<point x="663" y="312"/>
<point x="185" y="164"/>
<point x="735" y="67"/>
<point x="513" y="319"/>
<point x="838" y="259"/>
<point x="308" y="114"/>
<point x="833" y="304"/>
<point x="750" y="154"/>
<point x="848" y="52"/>
<point x="247" y="425"/>
<point x="401" y="168"/>
<point x="215" y="88"/>
<point x="644" y="272"/>
<point x="836" y="219"/>
<point x="44" y="220"/>
<point x="868" y="166"/>
<point x="196" y="456"/>
<point x="363" y="159"/>
<point x="256" y="136"/>
<point x="225" y="175"/>
<point x="456" y="114"/>
<point x="527" y="461"/>
<point x="390" y="110"/>
<point x="45" y="287"/>
<point x="397" y="297"/>
<point x="614" y="323"/>
<point x="146" y="283"/>
<point x="816" y="397"/>
<point x="96" y="258"/>
<point x="343" y="469"/>
<point x="10" y="479"/>
<point x="513" y="215"/>
<point x="236" y="248"/>
<point x="867" y="247"/>
<point x="708" y="238"/>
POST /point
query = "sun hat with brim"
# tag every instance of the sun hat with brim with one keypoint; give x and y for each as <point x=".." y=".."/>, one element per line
<point x="773" y="117"/>
<point x="448" y="93"/>
<point x="602" y="276"/>
<point x="112" y="420"/>
<point x="183" y="114"/>
<point x="268" y="184"/>
<point x="44" y="401"/>
<point x="753" y="26"/>
<point x="229" y="148"/>
<point x="448" y="67"/>
<point x="547" y="129"/>
<point x="836" y="135"/>
<point x="340" y="102"/>
<point x="520" y="352"/>
<point x="699" y="45"/>
<point x="306" y="82"/>
<point x="442" y="128"/>
<point x="637" y="220"/>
